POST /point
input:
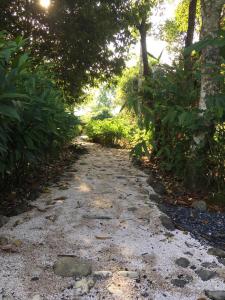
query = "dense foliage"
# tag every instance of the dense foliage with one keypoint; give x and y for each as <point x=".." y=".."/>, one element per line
<point x="34" y="122"/>
<point x="108" y="132"/>
<point x="171" y="113"/>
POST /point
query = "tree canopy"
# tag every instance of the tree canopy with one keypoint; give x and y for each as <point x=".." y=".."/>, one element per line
<point x="84" y="40"/>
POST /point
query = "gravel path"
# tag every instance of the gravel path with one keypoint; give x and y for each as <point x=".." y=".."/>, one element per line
<point x="101" y="212"/>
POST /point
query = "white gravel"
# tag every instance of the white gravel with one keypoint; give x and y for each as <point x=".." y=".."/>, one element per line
<point x="105" y="184"/>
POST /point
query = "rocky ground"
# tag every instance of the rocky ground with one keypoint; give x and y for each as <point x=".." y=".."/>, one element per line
<point x="99" y="234"/>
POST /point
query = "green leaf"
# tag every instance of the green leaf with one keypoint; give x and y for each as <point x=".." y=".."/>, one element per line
<point x="9" y="111"/>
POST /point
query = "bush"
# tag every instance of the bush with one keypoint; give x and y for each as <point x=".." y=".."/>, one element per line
<point x="167" y="107"/>
<point x="109" y="132"/>
<point x="34" y="120"/>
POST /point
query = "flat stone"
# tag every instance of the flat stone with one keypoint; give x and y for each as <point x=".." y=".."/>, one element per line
<point x="3" y="220"/>
<point x="179" y="282"/>
<point x="167" y="222"/>
<point x="200" y="205"/>
<point x="209" y="265"/>
<point x="182" y="262"/>
<point x="72" y="267"/>
<point x="102" y="274"/>
<point x="3" y="240"/>
<point x="155" y="197"/>
<point x="215" y="295"/>
<point x="36" y="274"/>
<point x="115" y="290"/>
<point x="159" y="188"/>
<point x="129" y="274"/>
<point x="205" y="275"/>
<point x="132" y="209"/>
<point x="216" y="252"/>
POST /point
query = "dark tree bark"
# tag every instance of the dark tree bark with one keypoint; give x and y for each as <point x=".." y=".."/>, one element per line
<point x="190" y="35"/>
<point x="191" y="23"/>
<point x="143" y="29"/>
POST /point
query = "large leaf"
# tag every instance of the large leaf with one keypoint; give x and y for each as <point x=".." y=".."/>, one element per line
<point x="9" y="111"/>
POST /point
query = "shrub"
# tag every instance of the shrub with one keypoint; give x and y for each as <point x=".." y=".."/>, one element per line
<point x="34" y="120"/>
<point x="109" y="132"/>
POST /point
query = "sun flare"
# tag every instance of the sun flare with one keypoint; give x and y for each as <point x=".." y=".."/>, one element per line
<point x="45" y="3"/>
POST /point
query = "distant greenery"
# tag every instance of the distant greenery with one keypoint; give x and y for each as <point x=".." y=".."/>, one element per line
<point x="109" y="132"/>
<point x="118" y="131"/>
<point x="34" y="121"/>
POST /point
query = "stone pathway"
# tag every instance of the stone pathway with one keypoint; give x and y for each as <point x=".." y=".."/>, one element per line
<point x="98" y="235"/>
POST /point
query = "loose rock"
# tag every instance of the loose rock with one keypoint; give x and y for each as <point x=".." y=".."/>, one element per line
<point x="209" y="265"/>
<point x="182" y="262"/>
<point x="179" y="282"/>
<point x="83" y="286"/>
<point x="200" y="205"/>
<point x="167" y="222"/>
<point x="205" y="275"/>
<point x="216" y="252"/>
<point x="129" y="274"/>
<point x="3" y="240"/>
<point x="102" y="274"/>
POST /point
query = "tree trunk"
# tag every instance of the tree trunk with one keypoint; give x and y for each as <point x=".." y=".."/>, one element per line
<point x="190" y="34"/>
<point x="144" y="53"/>
<point x="211" y="14"/>
<point x="191" y="23"/>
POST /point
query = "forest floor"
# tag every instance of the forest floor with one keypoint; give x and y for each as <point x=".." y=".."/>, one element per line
<point x="98" y="234"/>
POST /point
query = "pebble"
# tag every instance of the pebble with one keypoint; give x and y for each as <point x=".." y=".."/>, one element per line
<point x="102" y="274"/>
<point x="216" y="252"/>
<point x="209" y="265"/>
<point x="129" y="274"/>
<point x="182" y="262"/>
<point x="3" y="240"/>
<point x="205" y="275"/>
<point x="179" y="282"/>
<point x="83" y="286"/>
<point x="167" y="222"/>
<point x="182" y="280"/>
<point x="200" y="205"/>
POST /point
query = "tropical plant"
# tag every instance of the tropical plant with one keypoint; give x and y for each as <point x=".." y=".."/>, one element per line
<point x="34" y="121"/>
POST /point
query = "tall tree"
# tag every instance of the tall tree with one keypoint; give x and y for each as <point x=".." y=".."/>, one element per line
<point x="141" y="13"/>
<point x="211" y="18"/>
<point x="190" y="34"/>
<point x="84" y="40"/>
<point x="191" y="23"/>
